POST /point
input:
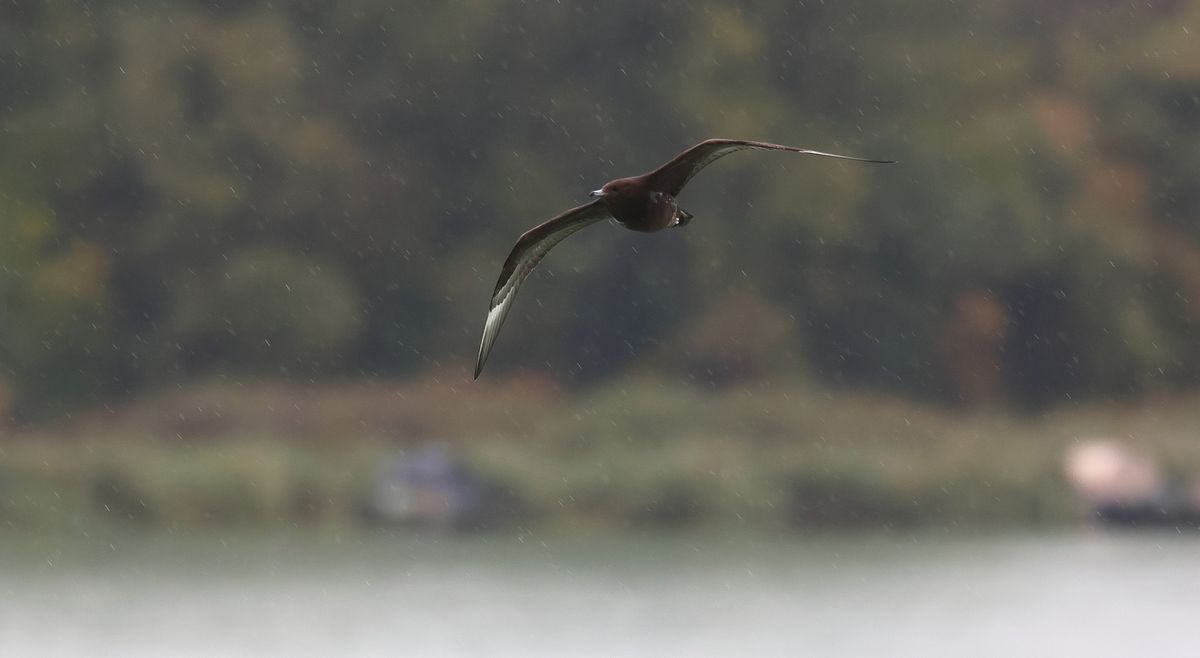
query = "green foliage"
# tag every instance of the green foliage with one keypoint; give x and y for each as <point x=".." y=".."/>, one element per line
<point x="331" y="187"/>
<point x="265" y="309"/>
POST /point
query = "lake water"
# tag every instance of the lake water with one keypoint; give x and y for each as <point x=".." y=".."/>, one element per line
<point x="1081" y="594"/>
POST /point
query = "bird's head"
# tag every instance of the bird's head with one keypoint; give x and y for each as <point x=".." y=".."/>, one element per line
<point x="613" y="188"/>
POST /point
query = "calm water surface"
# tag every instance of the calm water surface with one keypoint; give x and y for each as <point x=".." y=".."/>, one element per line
<point x="1083" y="594"/>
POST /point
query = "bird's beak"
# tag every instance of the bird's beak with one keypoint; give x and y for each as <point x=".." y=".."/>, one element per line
<point x="596" y="193"/>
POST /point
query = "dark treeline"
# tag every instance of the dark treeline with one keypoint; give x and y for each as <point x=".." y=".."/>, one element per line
<point x="310" y="189"/>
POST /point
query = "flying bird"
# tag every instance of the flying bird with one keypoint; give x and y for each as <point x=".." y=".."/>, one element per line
<point x="643" y="203"/>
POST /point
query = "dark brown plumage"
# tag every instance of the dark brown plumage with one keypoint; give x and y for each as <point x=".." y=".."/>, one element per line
<point x="641" y="203"/>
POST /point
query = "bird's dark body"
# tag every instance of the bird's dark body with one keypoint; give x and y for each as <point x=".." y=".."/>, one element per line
<point x="643" y="203"/>
<point x="638" y="207"/>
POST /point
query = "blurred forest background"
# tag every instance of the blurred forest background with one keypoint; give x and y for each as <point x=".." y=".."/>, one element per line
<point x="197" y="195"/>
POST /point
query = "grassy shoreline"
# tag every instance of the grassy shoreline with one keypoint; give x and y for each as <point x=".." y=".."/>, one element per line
<point x="643" y="455"/>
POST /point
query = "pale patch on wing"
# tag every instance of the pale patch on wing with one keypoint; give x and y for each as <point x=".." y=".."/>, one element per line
<point x="528" y="252"/>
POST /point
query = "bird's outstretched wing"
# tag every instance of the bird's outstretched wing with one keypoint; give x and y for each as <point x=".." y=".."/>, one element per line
<point x="672" y="176"/>
<point x="528" y="252"/>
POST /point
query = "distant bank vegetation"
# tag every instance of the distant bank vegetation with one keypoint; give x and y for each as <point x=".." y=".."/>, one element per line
<point x="643" y="455"/>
